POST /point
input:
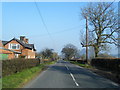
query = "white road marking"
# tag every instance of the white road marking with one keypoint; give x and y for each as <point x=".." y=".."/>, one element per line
<point x="67" y="67"/>
<point x="72" y="76"/>
<point x="115" y="84"/>
<point x="74" y="79"/>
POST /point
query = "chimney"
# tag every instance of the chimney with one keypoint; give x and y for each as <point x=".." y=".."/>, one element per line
<point x="22" y="38"/>
<point x="26" y="40"/>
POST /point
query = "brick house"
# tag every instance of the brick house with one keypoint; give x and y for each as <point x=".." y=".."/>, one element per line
<point x="19" y="48"/>
<point x="6" y="53"/>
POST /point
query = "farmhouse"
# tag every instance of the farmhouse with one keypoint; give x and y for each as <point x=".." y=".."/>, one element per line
<point x="16" y="48"/>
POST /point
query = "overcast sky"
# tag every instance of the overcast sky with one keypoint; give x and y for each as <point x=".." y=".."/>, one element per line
<point x="56" y="25"/>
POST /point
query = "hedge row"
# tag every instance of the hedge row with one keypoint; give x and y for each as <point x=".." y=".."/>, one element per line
<point x="16" y="65"/>
<point x="112" y="64"/>
<point x="79" y="61"/>
<point x="0" y="68"/>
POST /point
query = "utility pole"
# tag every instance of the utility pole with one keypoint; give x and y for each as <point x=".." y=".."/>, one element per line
<point x="86" y="39"/>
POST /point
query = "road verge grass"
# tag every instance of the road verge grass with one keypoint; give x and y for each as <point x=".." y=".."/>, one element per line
<point x="0" y="83"/>
<point x="17" y="80"/>
<point x="82" y="65"/>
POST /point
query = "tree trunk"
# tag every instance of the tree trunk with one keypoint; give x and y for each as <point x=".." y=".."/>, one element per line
<point x="96" y="48"/>
<point x="96" y="54"/>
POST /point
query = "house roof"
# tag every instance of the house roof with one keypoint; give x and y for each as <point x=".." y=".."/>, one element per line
<point x="29" y="46"/>
<point x="4" y="42"/>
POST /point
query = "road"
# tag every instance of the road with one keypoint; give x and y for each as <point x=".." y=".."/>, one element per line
<point x="66" y="75"/>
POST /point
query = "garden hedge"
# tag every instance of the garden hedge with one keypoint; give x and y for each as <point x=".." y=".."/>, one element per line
<point x="16" y="65"/>
<point x="112" y="64"/>
<point x="0" y="68"/>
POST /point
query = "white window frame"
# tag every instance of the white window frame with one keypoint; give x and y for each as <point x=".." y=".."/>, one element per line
<point x="16" y="45"/>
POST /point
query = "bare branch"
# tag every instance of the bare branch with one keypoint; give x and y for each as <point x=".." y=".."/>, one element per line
<point x="103" y="18"/>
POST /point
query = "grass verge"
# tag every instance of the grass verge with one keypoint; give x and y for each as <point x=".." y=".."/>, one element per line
<point x="17" y="80"/>
<point x="82" y="65"/>
<point x="0" y="83"/>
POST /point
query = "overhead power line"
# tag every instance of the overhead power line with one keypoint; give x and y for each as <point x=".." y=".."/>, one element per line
<point x="42" y="18"/>
<point x="39" y="12"/>
<point x="61" y="31"/>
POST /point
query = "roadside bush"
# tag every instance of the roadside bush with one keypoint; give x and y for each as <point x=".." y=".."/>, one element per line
<point x="112" y="64"/>
<point x="79" y="61"/>
<point x="16" y="65"/>
<point x="0" y="68"/>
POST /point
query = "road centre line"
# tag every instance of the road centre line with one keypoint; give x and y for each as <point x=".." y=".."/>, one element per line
<point x="67" y="67"/>
<point x="72" y="76"/>
<point x="74" y="79"/>
<point x="114" y="83"/>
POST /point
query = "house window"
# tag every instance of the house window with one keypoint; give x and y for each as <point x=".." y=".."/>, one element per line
<point x="14" y="46"/>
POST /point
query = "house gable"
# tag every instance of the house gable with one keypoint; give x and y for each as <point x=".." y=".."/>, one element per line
<point x="14" y="39"/>
<point x="28" y="46"/>
<point x="13" y="42"/>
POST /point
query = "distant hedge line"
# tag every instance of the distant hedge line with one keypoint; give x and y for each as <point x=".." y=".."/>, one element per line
<point x="79" y="61"/>
<point x="112" y="64"/>
<point x="16" y="65"/>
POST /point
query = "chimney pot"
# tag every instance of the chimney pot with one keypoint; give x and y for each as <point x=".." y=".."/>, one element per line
<point x="22" y="38"/>
<point x="26" y="40"/>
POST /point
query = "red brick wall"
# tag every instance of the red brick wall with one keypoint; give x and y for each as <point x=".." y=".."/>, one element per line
<point x="11" y="56"/>
<point x="31" y="54"/>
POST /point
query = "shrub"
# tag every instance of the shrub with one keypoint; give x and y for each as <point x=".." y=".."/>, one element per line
<point x="79" y="61"/>
<point x="112" y="64"/>
<point x="0" y="68"/>
<point x="16" y="65"/>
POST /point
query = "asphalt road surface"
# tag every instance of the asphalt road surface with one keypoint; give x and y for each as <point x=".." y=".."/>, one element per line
<point x="66" y="75"/>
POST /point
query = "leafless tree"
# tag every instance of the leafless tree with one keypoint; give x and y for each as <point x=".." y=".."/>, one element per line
<point x="69" y="51"/>
<point x="103" y="20"/>
<point x="47" y="53"/>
